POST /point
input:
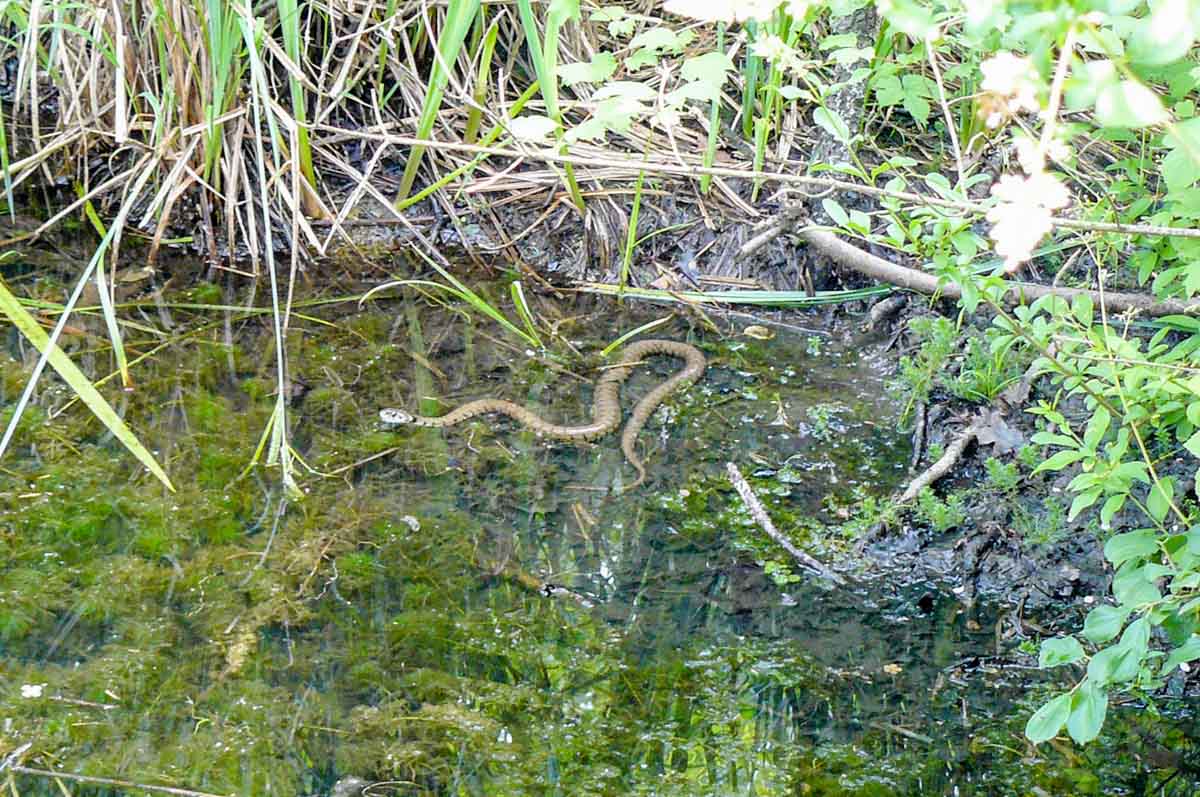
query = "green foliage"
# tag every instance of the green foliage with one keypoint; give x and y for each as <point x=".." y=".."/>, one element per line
<point x="941" y="515"/>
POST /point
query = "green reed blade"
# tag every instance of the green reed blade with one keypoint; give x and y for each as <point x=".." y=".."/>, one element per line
<point x="459" y="15"/>
<point x="78" y="381"/>
<point x="649" y="325"/>
<point x="518" y="297"/>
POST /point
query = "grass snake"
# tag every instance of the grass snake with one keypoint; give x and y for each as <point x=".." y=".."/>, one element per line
<point x="606" y="404"/>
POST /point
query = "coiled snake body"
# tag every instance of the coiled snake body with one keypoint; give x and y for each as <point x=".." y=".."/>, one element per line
<point x="606" y="405"/>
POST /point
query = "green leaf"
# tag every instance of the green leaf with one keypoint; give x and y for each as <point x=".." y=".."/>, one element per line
<point x="832" y="124"/>
<point x="1048" y="720"/>
<point x="1089" y="705"/>
<point x="888" y="91"/>
<point x="1120" y="548"/>
<point x="1082" y="502"/>
<point x="1111" y="507"/>
<point x="1082" y="309"/>
<point x="835" y="211"/>
<point x="1097" y="426"/>
<point x="1104" y="623"/>
<point x="711" y="67"/>
<point x="1059" y="651"/>
<point x="1158" y="503"/>
<point x="1131" y="588"/>
<point x="1193" y="443"/>
<point x="1164" y="36"/>
<point x="1188" y="651"/>
<point x="1061" y="460"/>
<point x="1104" y="666"/>
<point x="599" y="69"/>
<point x="83" y="387"/>
<point x="1128" y="103"/>
<point x="908" y="17"/>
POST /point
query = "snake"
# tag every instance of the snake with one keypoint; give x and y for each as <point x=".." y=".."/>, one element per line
<point x="606" y="403"/>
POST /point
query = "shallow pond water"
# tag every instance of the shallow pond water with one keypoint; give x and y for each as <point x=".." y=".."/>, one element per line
<point x="475" y="611"/>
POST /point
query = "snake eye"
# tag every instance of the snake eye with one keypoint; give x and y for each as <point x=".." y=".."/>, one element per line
<point x="395" y="416"/>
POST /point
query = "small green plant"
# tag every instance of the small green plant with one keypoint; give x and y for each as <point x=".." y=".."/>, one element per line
<point x="918" y="375"/>
<point x="1002" y="476"/>
<point x="941" y="515"/>
<point x="823" y="420"/>
<point x="1042" y="525"/>
<point x="984" y="372"/>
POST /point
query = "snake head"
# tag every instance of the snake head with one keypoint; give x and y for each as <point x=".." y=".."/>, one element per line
<point x="395" y="417"/>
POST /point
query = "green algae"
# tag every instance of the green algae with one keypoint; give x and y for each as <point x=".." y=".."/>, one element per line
<point x="394" y="623"/>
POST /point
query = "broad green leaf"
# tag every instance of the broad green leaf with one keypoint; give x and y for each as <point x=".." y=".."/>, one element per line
<point x="694" y="90"/>
<point x="1193" y="443"/>
<point x="835" y="211"/>
<point x="1088" y="708"/>
<point x="1104" y="623"/>
<point x="1164" y="36"/>
<point x="1128" y="103"/>
<point x="889" y="91"/>
<point x="1130" y="588"/>
<point x="1121" y="548"/>
<point x="599" y="69"/>
<point x="1082" y="309"/>
<point x="911" y="18"/>
<point x="79" y="383"/>
<point x="532" y="127"/>
<point x="1158" y="502"/>
<point x="711" y="67"/>
<point x="1097" y="426"/>
<point x="1059" y="651"/>
<point x="1104" y="666"/>
<point x="832" y="124"/>
<point x="1082" y="502"/>
<point x="626" y="90"/>
<point x="1048" y="720"/>
<point x="1188" y="651"/>
<point x="1061" y="460"/>
<point x="1111" y="507"/>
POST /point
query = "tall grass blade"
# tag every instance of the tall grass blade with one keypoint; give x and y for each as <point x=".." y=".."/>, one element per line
<point x="289" y="23"/>
<point x="459" y="15"/>
<point x="644" y="328"/>
<point x="518" y="297"/>
<point x="631" y="231"/>
<point x="544" y="56"/>
<point x="482" y="75"/>
<point x="469" y="166"/>
<point x="79" y="383"/>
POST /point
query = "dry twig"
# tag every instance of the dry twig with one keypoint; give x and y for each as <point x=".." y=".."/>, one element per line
<point x="765" y="523"/>
<point x="937" y="470"/>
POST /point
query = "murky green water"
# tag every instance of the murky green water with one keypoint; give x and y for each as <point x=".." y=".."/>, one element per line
<point x="474" y="612"/>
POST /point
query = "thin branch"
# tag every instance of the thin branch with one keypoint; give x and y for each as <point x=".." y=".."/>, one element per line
<point x="765" y="523"/>
<point x="867" y="264"/>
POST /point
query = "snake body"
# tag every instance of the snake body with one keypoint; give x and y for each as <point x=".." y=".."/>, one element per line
<point x="606" y="405"/>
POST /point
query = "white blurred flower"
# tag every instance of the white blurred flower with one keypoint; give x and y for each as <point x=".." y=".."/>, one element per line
<point x="776" y="50"/>
<point x="724" y="10"/>
<point x="1010" y="84"/>
<point x="30" y="691"/>
<point x="1031" y="160"/>
<point x="1024" y="214"/>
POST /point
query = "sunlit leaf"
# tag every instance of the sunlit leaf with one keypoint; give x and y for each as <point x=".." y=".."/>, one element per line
<point x="1059" y="651"/>
<point x="1128" y="103"/>
<point x="1048" y="720"/>
<point x="1088" y="708"/>
<point x="1104" y="623"/>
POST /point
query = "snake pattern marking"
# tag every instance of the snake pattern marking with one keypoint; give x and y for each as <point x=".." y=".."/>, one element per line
<point x="606" y="405"/>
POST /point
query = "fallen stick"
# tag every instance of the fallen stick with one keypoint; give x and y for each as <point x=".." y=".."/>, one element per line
<point x="948" y="460"/>
<point x="764" y="521"/>
<point x="867" y="264"/>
